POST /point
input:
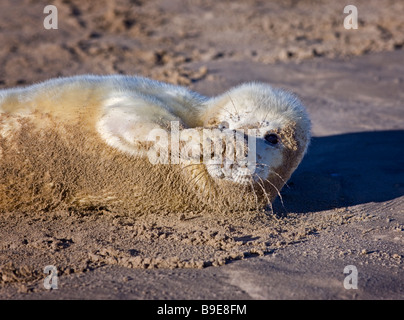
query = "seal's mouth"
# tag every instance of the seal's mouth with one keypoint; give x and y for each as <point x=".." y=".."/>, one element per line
<point x="241" y="173"/>
<point x="230" y="156"/>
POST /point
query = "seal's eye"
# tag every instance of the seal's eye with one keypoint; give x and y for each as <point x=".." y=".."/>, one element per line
<point x="271" y="138"/>
<point x="223" y="125"/>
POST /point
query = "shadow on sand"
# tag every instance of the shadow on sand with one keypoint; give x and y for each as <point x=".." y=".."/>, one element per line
<point x="345" y="170"/>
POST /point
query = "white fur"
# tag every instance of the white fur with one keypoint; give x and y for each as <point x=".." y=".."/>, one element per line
<point x="130" y="107"/>
<point x="267" y="109"/>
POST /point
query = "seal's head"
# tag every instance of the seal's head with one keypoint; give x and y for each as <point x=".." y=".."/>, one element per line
<point x="271" y="132"/>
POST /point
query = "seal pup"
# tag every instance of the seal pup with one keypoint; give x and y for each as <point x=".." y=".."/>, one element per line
<point x="90" y="142"/>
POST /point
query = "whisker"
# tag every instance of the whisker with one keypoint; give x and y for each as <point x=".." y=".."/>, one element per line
<point x="199" y="164"/>
<point x="265" y="193"/>
<point x="273" y="171"/>
<point x="229" y="112"/>
<point x="266" y="115"/>
<point x="192" y="179"/>
<point x="195" y="181"/>
<point x="199" y="176"/>
<point x="277" y="190"/>
<point x="192" y="164"/>
<point x="232" y="102"/>
<point x="255" y="194"/>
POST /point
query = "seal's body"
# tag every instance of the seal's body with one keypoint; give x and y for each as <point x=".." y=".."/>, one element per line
<point x="91" y="141"/>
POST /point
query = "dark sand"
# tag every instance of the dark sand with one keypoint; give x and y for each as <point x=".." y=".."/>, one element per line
<point x="344" y="205"/>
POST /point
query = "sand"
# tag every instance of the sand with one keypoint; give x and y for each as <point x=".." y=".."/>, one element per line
<point x="343" y="206"/>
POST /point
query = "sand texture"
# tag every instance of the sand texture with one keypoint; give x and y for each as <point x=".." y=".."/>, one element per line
<point x="343" y="206"/>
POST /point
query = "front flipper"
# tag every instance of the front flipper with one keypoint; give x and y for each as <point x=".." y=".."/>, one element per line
<point x="128" y="121"/>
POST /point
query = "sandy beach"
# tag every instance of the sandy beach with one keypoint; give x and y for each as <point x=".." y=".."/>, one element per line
<point x="344" y="205"/>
